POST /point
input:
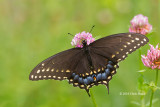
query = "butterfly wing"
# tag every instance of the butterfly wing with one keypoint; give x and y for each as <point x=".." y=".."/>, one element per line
<point x="59" y="66"/>
<point x="117" y="47"/>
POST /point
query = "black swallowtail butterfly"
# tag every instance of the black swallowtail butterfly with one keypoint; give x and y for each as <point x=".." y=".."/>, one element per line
<point x="91" y="64"/>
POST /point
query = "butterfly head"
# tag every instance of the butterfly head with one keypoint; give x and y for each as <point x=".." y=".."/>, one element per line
<point x="84" y="43"/>
<point x="82" y="39"/>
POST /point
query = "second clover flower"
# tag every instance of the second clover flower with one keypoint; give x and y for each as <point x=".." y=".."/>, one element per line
<point x="140" y="24"/>
<point x="152" y="60"/>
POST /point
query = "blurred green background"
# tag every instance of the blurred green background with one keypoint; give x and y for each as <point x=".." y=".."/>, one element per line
<point x="32" y="30"/>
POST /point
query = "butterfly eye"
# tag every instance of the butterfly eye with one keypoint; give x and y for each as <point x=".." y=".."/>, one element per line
<point x="84" y="42"/>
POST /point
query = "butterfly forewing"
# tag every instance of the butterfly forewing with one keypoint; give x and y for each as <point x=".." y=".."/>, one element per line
<point x="118" y="46"/>
<point x="58" y="67"/>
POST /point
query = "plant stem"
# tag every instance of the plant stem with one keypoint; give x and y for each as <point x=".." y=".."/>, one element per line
<point x="142" y="101"/>
<point x="141" y="76"/>
<point x="153" y="89"/>
<point x="93" y="99"/>
<point x="151" y="98"/>
<point x="156" y="77"/>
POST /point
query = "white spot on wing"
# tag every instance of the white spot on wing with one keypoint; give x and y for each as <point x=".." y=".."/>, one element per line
<point x="113" y="56"/>
<point x="43" y="70"/>
<point x="38" y="71"/>
<point x="71" y="80"/>
<point x="105" y="82"/>
<point x="64" y="77"/>
<point x="87" y="73"/>
<point x="109" y="77"/>
<point x="75" y="83"/>
<point x="81" y="85"/>
<point x="35" y="77"/>
<point x="52" y="70"/>
<point x="47" y="69"/>
<point x="32" y="76"/>
<point x="136" y="38"/>
<point x="67" y="70"/>
<point x="113" y="72"/>
<point x="42" y="64"/>
<point x="129" y="35"/>
<point x="128" y="43"/>
<point x="119" y="60"/>
<point x="125" y="46"/>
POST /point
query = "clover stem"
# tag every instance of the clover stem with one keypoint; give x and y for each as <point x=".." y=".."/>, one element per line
<point x="93" y="99"/>
<point x="153" y="89"/>
<point x="141" y="76"/>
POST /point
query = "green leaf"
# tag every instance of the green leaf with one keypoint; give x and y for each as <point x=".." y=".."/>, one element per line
<point x="136" y="103"/>
<point x="151" y="33"/>
<point x="142" y="70"/>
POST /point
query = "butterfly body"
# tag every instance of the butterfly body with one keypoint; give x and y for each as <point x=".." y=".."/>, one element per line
<point x="91" y="62"/>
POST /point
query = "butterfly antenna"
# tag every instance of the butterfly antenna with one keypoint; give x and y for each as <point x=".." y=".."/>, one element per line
<point x="70" y="34"/>
<point x="92" y="28"/>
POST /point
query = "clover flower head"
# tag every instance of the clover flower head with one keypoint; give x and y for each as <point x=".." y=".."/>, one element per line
<point x="152" y="60"/>
<point x="80" y="37"/>
<point x="140" y="24"/>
